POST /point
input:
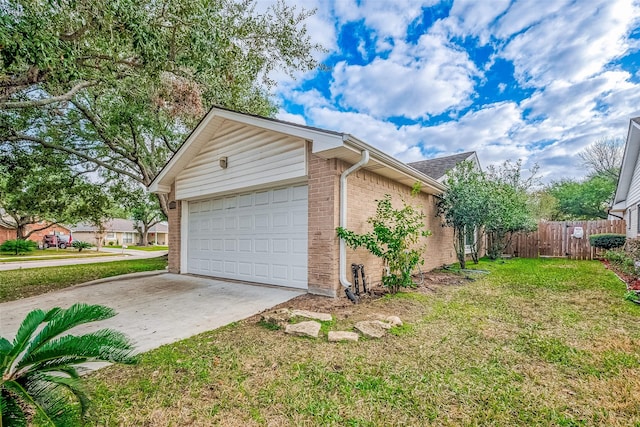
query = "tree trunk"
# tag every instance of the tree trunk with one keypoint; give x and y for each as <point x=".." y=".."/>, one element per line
<point x="163" y="199"/>
<point x="144" y="238"/>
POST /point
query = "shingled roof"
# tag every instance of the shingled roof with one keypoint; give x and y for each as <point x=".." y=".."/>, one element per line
<point x="438" y="167"/>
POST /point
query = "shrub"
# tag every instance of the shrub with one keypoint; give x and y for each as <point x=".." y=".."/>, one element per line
<point x="622" y="261"/>
<point x="607" y="240"/>
<point x="40" y="368"/>
<point x="80" y="245"/>
<point x="632" y="248"/>
<point x="18" y="246"/>
<point x="111" y="243"/>
<point x="395" y="238"/>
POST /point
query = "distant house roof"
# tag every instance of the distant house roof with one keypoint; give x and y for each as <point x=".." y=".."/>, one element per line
<point x="120" y="225"/>
<point x="438" y="167"/>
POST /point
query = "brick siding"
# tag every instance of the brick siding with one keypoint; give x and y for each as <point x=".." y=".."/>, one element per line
<point x="174" y="218"/>
<point x="37" y="236"/>
<point x="363" y="189"/>
<point x="323" y="256"/>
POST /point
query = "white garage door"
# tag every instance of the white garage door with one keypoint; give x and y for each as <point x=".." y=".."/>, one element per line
<point x="258" y="237"/>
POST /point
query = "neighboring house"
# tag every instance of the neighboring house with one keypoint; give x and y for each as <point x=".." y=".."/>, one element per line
<point x="37" y="236"/>
<point x="259" y="200"/>
<point x="120" y="231"/>
<point x="626" y="202"/>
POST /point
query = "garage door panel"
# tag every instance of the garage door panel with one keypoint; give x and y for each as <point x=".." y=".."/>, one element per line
<point x="259" y="236"/>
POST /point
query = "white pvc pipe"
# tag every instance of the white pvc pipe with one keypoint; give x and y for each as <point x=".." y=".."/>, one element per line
<point x="343" y="215"/>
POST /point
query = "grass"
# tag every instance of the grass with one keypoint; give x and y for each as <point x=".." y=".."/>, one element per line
<point x="22" y="283"/>
<point x="150" y="248"/>
<point x="536" y="342"/>
<point x="51" y="254"/>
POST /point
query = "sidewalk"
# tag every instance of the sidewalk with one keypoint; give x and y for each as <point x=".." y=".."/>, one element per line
<point x="121" y="255"/>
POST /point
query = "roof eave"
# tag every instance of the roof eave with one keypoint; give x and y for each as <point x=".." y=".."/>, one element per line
<point x="395" y="164"/>
<point x="629" y="162"/>
<point x="322" y="141"/>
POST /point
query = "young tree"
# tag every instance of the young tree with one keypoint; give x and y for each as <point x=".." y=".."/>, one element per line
<point x="145" y="212"/>
<point x="394" y="239"/>
<point x="509" y="207"/>
<point x="119" y="84"/>
<point x="463" y="206"/>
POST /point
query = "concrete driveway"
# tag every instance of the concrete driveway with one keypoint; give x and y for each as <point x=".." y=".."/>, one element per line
<point x="156" y="310"/>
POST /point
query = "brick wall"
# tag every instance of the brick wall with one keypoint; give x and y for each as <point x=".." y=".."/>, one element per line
<point x="7" y="234"/>
<point x="324" y="203"/>
<point x="324" y="186"/>
<point x="37" y="236"/>
<point x="363" y="188"/>
<point x="174" y="218"/>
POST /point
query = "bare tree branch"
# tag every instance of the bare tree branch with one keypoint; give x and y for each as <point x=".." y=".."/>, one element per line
<point x="604" y="157"/>
<point x="46" y="101"/>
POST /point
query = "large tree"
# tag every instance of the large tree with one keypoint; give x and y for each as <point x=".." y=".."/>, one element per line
<point x="38" y="187"/>
<point x="119" y="84"/>
<point x="587" y="199"/>
<point x="603" y="158"/>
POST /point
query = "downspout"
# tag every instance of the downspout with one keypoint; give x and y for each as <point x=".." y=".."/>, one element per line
<point x="343" y="216"/>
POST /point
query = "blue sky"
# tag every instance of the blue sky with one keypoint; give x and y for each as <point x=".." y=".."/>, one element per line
<point x="536" y="80"/>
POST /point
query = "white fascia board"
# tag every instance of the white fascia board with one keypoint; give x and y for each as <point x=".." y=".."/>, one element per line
<point x="629" y="162"/>
<point x="162" y="182"/>
<point x="395" y="164"/>
<point x="620" y="206"/>
<point x="322" y="140"/>
<point x="474" y="158"/>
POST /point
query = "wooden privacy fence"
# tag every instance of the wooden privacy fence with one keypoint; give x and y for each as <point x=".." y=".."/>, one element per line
<point x="561" y="239"/>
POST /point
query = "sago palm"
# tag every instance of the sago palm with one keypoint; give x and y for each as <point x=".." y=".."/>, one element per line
<point x="39" y="370"/>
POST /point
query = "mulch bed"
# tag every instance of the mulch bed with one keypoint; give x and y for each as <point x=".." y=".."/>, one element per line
<point x="633" y="282"/>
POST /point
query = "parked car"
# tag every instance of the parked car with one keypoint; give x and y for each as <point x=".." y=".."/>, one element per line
<point x="62" y="241"/>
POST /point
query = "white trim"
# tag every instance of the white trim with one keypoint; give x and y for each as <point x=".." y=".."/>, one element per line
<point x="322" y="140"/>
<point x="184" y="235"/>
<point x="343" y="216"/>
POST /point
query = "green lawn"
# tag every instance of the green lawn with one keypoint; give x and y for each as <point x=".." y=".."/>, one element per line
<point x="16" y="284"/>
<point x="536" y="342"/>
<point x="51" y="254"/>
<point x="141" y="248"/>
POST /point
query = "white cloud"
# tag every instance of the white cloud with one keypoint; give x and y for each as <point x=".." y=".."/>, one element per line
<point x="563" y="50"/>
<point x="473" y="17"/>
<point x="571" y="43"/>
<point x="415" y="81"/>
<point x="292" y="118"/>
<point x="386" y="18"/>
<point x="381" y="134"/>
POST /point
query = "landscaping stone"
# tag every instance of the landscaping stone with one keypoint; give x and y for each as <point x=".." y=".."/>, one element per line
<point x="277" y="317"/>
<point x="304" y="329"/>
<point x="372" y="328"/>
<point x="335" y="336"/>
<point x="394" y="320"/>
<point x="323" y="317"/>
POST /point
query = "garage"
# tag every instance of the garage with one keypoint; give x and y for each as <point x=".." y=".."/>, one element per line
<point x="258" y="236"/>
